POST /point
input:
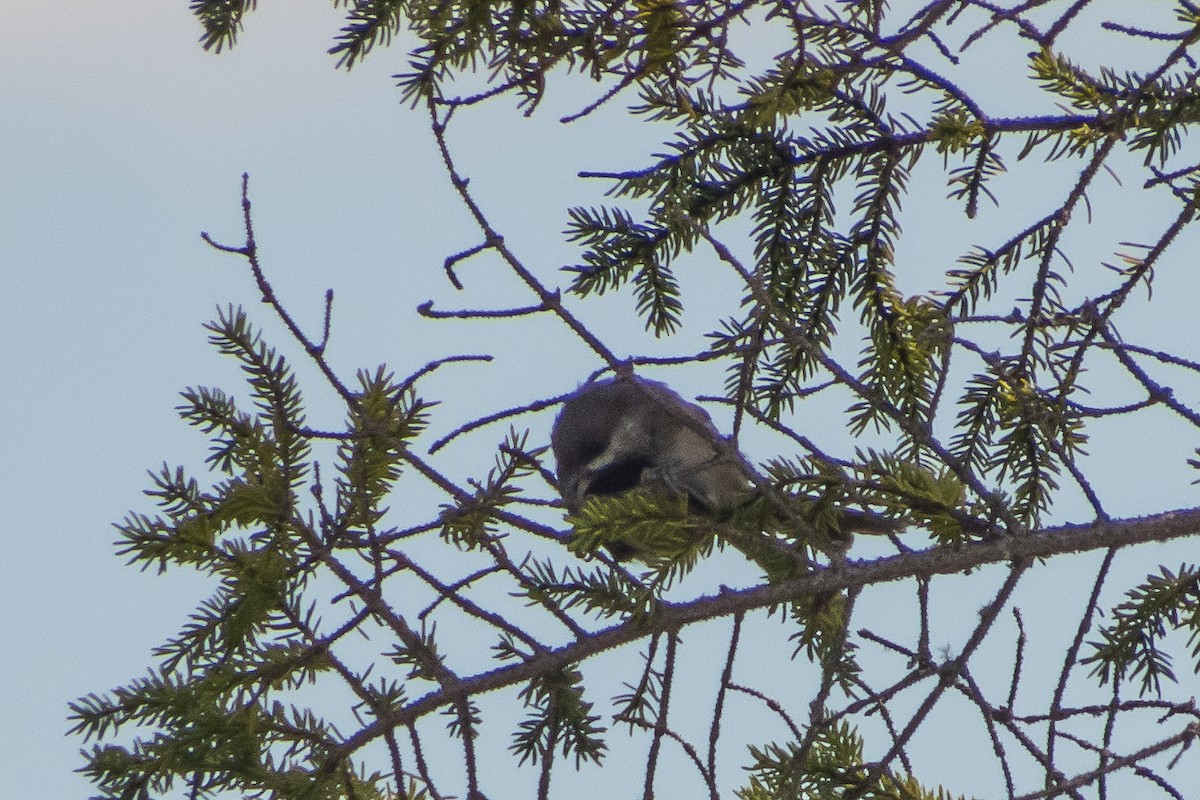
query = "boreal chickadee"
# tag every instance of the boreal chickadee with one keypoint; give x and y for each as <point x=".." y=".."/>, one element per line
<point x="628" y="433"/>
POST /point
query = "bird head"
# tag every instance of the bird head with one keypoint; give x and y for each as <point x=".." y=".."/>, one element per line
<point x="626" y="433"/>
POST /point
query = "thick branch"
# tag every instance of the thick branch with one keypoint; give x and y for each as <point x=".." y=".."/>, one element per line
<point x="671" y="617"/>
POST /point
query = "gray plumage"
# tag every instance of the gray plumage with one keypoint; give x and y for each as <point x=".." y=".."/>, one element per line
<point x="627" y="433"/>
<point x="615" y="435"/>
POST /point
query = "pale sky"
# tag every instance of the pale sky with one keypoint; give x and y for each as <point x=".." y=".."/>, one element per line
<point x="120" y="140"/>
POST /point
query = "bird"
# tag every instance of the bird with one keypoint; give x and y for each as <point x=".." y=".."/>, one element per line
<point x="628" y="433"/>
<point x="625" y="433"/>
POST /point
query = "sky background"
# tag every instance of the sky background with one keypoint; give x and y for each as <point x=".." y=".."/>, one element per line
<point x="121" y="140"/>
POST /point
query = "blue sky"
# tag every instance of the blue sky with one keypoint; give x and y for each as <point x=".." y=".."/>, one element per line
<point x="120" y="140"/>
